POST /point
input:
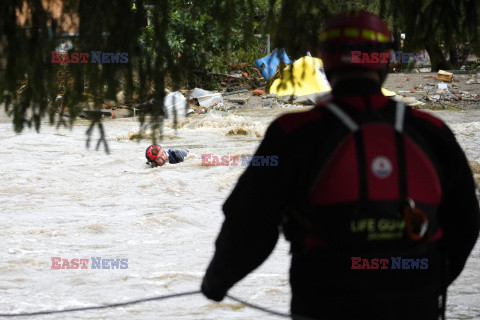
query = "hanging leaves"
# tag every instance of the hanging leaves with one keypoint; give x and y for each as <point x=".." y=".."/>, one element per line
<point x="140" y="47"/>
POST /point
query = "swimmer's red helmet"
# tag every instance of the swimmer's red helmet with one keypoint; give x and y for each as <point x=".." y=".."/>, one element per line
<point x="152" y="152"/>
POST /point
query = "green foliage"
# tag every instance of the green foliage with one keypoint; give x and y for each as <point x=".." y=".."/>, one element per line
<point x="473" y="65"/>
<point x="183" y="37"/>
<point x="441" y="27"/>
<point x="183" y="42"/>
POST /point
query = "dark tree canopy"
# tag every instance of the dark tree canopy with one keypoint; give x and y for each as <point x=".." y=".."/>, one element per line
<point x="169" y="41"/>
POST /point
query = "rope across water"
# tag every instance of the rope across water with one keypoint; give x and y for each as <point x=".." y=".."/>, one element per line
<point x="122" y="304"/>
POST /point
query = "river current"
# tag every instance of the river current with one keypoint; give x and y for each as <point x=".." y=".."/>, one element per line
<point x="59" y="199"/>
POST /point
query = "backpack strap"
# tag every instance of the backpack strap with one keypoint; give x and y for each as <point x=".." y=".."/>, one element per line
<point x="400" y="146"/>
<point x="343" y="117"/>
<point x="399" y="116"/>
<point x="360" y="150"/>
<point x="353" y="126"/>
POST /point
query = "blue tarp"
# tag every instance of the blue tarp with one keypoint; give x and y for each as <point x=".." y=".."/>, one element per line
<point x="268" y="65"/>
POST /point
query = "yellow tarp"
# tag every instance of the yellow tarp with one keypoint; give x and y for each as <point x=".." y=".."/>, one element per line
<point x="308" y="78"/>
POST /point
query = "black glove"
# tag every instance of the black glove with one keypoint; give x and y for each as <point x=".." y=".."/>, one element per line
<point x="211" y="293"/>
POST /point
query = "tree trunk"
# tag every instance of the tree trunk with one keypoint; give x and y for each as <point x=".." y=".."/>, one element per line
<point x="437" y="58"/>
<point x="454" y="58"/>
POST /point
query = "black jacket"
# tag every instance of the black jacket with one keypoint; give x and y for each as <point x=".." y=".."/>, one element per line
<point x="176" y="155"/>
<point x="323" y="286"/>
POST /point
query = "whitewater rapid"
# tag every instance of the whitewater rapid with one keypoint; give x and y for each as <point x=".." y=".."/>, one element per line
<point x="59" y="199"/>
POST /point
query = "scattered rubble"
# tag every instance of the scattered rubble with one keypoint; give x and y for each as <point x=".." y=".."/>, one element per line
<point x="446" y="92"/>
<point x="207" y="98"/>
<point x="473" y="81"/>
<point x="419" y="90"/>
<point x="460" y="93"/>
<point x="238" y="100"/>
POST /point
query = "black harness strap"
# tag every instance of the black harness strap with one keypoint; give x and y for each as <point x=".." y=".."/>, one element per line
<point x="362" y="165"/>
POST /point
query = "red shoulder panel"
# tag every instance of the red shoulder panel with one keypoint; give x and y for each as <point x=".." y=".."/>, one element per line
<point x="338" y="181"/>
<point x="356" y="102"/>
<point x="292" y="121"/>
<point x="427" y="116"/>
<point x="422" y="180"/>
<point x="378" y="101"/>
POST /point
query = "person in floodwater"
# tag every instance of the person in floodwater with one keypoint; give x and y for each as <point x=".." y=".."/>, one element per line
<point x="379" y="207"/>
<point x="156" y="156"/>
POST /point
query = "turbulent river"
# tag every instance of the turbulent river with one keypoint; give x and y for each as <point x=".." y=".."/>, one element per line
<point x="59" y="199"/>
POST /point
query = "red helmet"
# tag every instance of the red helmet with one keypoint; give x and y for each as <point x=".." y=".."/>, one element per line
<point x="152" y="152"/>
<point x="360" y="32"/>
